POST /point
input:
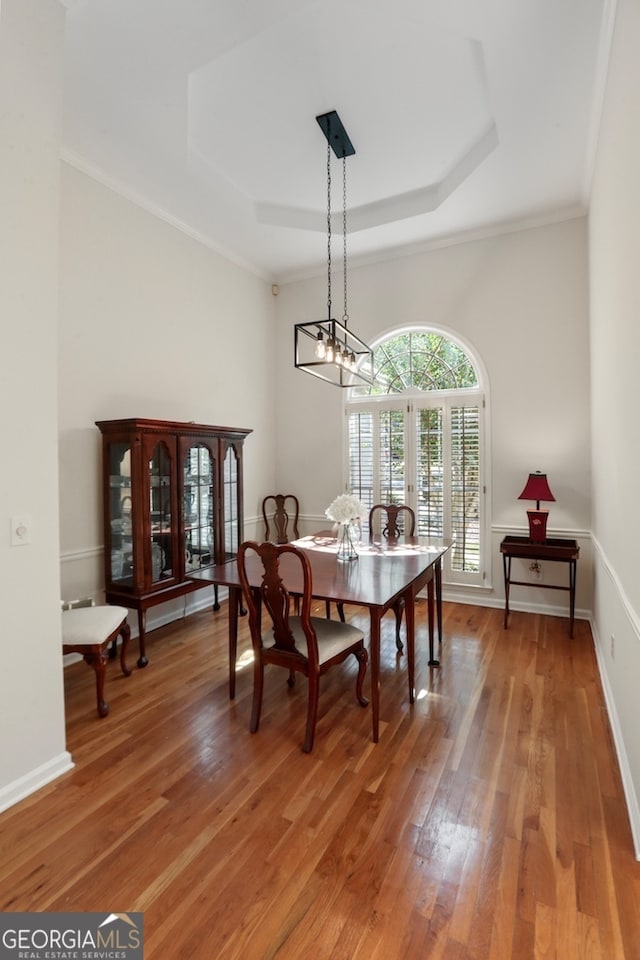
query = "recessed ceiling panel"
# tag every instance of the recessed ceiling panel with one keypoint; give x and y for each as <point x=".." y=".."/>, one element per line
<point x="465" y="115"/>
<point x="413" y="101"/>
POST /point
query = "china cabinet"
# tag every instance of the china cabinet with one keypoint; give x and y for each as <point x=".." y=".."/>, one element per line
<point x="172" y="497"/>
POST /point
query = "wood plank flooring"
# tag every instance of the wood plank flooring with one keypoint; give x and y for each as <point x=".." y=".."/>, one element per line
<point x="487" y="824"/>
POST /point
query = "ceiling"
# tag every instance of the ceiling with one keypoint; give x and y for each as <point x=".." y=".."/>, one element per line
<point x="467" y="116"/>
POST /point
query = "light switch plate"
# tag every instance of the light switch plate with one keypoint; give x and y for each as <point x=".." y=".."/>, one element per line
<point x="21" y="530"/>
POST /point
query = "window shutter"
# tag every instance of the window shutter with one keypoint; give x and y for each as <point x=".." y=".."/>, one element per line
<point x="430" y="472"/>
<point x="361" y="456"/>
<point x="465" y="488"/>
<point x="392" y="457"/>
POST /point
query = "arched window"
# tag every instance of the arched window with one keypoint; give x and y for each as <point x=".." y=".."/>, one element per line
<point x="416" y="437"/>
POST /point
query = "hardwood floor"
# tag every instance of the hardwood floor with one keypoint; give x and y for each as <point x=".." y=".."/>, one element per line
<point x="488" y="822"/>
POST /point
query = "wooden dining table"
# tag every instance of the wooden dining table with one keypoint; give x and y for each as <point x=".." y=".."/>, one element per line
<point x="384" y="571"/>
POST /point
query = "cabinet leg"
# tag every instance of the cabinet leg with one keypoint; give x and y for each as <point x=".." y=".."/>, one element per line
<point x="142" y="626"/>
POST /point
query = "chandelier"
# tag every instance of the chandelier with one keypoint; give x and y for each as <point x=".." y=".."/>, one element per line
<point x="327" y="348"/>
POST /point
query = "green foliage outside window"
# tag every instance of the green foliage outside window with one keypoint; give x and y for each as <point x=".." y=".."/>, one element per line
<point x="419" y="360"/>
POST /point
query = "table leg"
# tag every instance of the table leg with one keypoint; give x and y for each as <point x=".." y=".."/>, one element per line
<point x="430" y="608"/>
<point x="234" y="603"/>
<point x="506" y="565"/>
<point x="438" y="577"/>
<point x="410" y="624"/>
<point x="572" y="595"/>
<point x="374" y="666"/>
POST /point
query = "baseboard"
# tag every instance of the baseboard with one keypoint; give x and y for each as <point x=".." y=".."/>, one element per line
<point x="480" y="597"/>
<point x="35" y="780"/>
<point x="167" y="613"/>
<point x="633" y="807"/>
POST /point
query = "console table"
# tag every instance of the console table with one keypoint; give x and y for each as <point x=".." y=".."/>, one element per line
<point x="554" y="549"/>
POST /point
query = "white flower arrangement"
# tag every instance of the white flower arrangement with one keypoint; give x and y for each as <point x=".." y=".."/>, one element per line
<point x="345" y="509"/>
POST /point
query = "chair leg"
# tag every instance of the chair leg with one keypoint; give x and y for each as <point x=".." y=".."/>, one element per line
<point x="258" y="683"/>
<point x="125" y="634"/>
<point x="312" y="713"/>
<point x="363" y="658"/>
<point x="397" y="609"/>
<point x="97" y="657"/>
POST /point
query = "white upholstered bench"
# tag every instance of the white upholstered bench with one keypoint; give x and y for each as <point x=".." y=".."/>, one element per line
<point x="90" y="630"/>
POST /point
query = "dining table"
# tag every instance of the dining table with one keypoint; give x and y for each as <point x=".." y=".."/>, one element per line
<point x="385" y="571"/>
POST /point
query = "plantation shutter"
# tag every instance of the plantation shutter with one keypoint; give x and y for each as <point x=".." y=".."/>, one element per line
<point x="465" y="487"/>
<point x="430" y="472"/>
<point x="361" y="456"/>
<point x="391" y="484"/>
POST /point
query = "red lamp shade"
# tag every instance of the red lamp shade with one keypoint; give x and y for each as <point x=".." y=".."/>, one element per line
<point x="537" y="488"/>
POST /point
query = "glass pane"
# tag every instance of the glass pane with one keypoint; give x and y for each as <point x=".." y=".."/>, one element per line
<point x="430" y="467"/>
<point x="421" y="359"/>
<point x="465" y="489"/>
<point x="231" y="504"/>
<point x="120" y="557"/>
<point x="160" y="513"/>
<point x="198" y="507"/>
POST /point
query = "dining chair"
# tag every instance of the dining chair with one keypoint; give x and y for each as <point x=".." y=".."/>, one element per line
<point x="280" y="512"/>
<point x="393" y="520"/>
<point x="92" y="631"/>
<point x="300" y="643"/>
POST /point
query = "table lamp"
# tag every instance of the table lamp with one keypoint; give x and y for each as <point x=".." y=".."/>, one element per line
<point x="536" y="488"/>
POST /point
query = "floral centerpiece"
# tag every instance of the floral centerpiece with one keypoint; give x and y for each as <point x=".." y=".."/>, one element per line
<point x="346" y="511"/>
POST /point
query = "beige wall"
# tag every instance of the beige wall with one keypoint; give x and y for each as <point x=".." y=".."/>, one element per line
<point x="615" y="336"/>
<point x="520" y="301"/>
<point x="152" y="324"/>
<point x="32" y="735"/>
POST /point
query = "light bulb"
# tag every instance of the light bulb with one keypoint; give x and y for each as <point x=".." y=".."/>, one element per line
<point x="330" y="351"/>
<point x="321" y="348"/>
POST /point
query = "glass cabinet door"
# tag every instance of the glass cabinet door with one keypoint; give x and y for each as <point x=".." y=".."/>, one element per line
<point x="160" y="558"/>
<point x="119" y="560"/>
<point x="231" y="532"/>
<point x="198" y="473"/>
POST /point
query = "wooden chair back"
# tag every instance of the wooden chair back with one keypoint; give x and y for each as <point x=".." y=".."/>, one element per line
<point x="280" y="512"/>
<point x="394" y="520"/>
<point x="273" y="595"/>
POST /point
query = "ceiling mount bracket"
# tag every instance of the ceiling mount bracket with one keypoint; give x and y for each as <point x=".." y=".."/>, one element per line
<point x="337" y="136"/>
